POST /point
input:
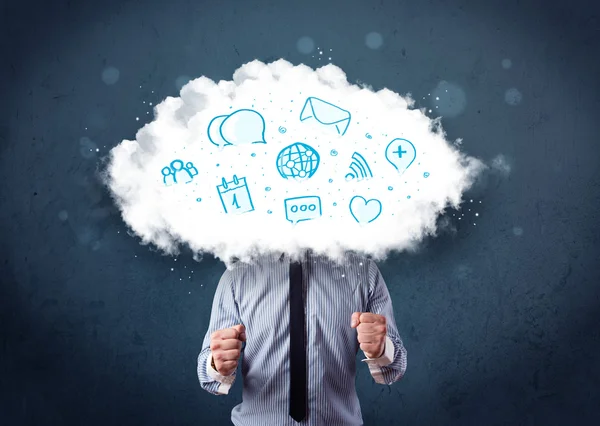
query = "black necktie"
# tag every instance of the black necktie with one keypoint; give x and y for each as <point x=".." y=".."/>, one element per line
<point x="297" y="345"/>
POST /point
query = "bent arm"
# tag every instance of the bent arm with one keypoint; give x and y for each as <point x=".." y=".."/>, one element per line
<point x="391" y="365"/>
<point x="224" y="314"/>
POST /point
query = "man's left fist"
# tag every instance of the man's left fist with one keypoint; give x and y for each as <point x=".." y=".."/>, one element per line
<point x="372" y="330"/>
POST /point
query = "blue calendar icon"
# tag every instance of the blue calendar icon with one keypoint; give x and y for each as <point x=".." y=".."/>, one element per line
<point x="235" y="196"/>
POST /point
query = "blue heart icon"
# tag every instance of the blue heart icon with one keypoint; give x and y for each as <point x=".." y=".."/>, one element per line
<point x="364" y="211"/>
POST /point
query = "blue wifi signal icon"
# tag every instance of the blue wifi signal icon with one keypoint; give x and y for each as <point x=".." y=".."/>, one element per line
<point x="359" y="168"/>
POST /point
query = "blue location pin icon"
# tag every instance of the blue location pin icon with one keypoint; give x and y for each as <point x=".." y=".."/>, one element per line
<point x="401" y="153"/>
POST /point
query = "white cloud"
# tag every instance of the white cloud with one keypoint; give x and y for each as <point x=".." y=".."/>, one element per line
<point x="193" y="214"/>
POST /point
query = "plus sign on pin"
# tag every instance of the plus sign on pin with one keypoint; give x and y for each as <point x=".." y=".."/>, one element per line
<point x="401" y="153"/>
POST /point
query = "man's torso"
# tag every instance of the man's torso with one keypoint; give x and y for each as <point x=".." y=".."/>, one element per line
<point x="332" y="292"/>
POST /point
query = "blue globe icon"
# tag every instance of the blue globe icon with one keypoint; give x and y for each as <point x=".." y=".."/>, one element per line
<point x="297" y="161"/>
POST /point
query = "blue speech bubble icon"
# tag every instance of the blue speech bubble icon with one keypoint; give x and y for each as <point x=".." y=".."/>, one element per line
<point x="243" y="126"/>
<point x="401" y="153"/>
<point x="214" y="131"/>
<point x="298" y="209"/>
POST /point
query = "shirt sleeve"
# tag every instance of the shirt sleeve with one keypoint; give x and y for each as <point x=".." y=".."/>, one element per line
<point x="391" y="365"/>
<point x="224" y="314"/>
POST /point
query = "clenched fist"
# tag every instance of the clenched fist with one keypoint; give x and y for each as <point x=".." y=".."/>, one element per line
<point x="226" y="345"/>
<point x="372" y="330"/>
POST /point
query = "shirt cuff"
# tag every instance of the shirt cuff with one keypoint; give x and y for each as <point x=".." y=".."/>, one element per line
<point x="386" y="358"/>
<point x="226" y="381"/>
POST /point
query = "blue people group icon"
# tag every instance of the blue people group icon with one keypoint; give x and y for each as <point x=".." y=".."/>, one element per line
<point x="363" y="210"/>
<point x="326" y="113"/>
<point x="244" y="126"/>
<point x="235" y="196"/>
<point x="359" y="168"/>
<point x="401" y="153"/>
<point x="177" y="172"/>
<point x="297" y="160"/>
<point x="299" y="209"/>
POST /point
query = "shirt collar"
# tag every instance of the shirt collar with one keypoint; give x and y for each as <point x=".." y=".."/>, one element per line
<point x="305" y="256"/>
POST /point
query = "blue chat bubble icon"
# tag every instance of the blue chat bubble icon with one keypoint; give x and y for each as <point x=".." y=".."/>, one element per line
<point x="214" y="131"/>
<point x="244" y="126"/>
<point x="299" y="209"/>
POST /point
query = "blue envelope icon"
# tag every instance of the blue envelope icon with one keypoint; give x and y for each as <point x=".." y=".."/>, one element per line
<point x="326" y="114"/>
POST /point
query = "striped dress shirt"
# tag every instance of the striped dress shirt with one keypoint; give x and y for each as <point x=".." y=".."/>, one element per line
<point x="257" y="295"/>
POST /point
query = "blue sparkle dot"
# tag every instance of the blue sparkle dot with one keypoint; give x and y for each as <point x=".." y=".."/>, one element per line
<point x="110" y="76"/>
<point x="268" y="188"/>
<point x="335" y="204"/>
<point x="333" y="152"/>
<point x="373" y="40"/>
<point x="408" y="196"/>
<point x="390" y="188"/>
<point x="269" y="211"/>
<point x="426" y="174"/>
<point x="253" y="155"/>
<point x="305" y="45"/>
<point x="330" y="180"/>
<point x="513" y="96"/>
<point x="218" y="164"/>
<point x="198" y="199"/>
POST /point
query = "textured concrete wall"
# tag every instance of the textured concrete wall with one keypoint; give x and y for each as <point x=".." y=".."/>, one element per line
<point x="500" y="318"/>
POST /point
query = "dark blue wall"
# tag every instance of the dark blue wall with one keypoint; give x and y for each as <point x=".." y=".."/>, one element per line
<point x="500" y="319"/>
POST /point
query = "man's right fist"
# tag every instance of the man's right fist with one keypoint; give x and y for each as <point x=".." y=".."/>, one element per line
<point x="226" y="345"/>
